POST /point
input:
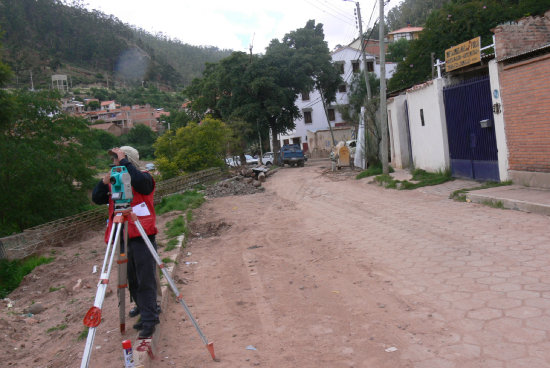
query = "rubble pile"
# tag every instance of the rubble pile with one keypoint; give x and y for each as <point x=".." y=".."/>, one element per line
<point x="242" y="182"/>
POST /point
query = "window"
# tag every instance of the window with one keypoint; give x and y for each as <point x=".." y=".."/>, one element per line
<point x="305" y="96"/>
<point x="342" y="88"/>
<point x="370" y="66"/>
<point x="307" y="117"/>
<point x="331" y="115"/>
<point x="422" y="117"/>
<point x="355" y="66"/>
<point x="340" y="67"/>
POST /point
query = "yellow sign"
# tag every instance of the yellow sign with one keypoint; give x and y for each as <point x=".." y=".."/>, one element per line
<point x="464" y="54"/>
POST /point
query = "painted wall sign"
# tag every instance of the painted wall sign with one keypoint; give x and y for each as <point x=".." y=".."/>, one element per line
<point x="464" y="54"/>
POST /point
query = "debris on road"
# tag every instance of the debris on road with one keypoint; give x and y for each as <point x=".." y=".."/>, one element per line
<point x="244" y="181"/>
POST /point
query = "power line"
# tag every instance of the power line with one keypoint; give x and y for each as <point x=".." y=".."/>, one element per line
<point x="338" y="10"/>
<point x="328" y="12"/>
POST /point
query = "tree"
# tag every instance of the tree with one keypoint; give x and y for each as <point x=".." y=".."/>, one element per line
<point x="142" y="138"/>
<point x="397" y="51"/>
<point x="260" y="91"/>
<point x="192" y="148"/>
<point x="351" y="112"/>
<point x="43" y="171"/>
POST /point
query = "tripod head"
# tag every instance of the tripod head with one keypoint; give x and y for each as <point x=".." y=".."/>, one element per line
<point x="121" y="187"/>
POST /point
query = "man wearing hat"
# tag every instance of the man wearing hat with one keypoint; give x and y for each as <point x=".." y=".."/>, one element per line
<point x="141" y="264"/>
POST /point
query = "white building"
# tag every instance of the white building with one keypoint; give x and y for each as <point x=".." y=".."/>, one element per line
<point x="313" y="118"/>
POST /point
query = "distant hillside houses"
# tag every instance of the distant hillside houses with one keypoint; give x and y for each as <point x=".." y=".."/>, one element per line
<point x="117" y="119"/>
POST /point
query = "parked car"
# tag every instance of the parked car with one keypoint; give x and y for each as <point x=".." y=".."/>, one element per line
<point x="292" y="155"/>
<point x="268" y="158"/>
<point x="251" y="160"/>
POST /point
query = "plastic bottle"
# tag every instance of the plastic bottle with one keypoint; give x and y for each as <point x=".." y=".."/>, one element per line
<point x="128" y="354"/>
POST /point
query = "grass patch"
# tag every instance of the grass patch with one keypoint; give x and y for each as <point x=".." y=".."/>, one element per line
<point x="176" y="227"/>
<point x="60" y="327"/>
<point x="425" y="179"/>
<point x="494" y="204"/>
<point x="167" y="260"/>
<point x="421" y="177"/>
<point x="12" y="272"/>
<point x="188" y="199"/>
<point x="460" y="195"/>
<point x="83" y="334"/>
<point x="171" y="245"/>
<point x="52" y="289"/>
<point x="375" y="169"/>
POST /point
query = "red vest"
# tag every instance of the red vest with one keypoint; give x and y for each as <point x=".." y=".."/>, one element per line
<point x="147" y="222"/>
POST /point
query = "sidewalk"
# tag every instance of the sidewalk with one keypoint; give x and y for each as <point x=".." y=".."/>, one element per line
<point x="514" y="197"/>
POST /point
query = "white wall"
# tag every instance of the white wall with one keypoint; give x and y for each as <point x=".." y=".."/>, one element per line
<point x="430" y="146"/>
<point x="500" y="133"/>
<point x="319" y="119"/>
<point x="399" y="138"/>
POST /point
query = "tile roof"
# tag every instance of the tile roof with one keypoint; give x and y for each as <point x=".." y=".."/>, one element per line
<point x="406" y="30"/>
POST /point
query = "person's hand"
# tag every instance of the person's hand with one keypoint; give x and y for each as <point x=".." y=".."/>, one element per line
<point x="120" y="153"/>
<point x="106" y="178"/>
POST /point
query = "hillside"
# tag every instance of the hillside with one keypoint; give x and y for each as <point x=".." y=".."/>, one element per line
<point x="46" y="37"/>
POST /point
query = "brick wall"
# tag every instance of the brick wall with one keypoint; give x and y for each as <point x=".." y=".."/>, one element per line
<point x="522" y="36"/>
<point x="525" y="89"/>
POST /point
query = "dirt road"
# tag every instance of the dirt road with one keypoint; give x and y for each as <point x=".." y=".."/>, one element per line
<point x="321" y="270"/>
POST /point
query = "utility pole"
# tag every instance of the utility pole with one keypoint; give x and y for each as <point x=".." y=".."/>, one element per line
<point x="361" y="37"/>
<point x="383" y="112"/>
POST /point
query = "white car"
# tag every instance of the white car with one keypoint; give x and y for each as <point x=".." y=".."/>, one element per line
<point x="268" y="158"/>
<point x="251" y="160"/>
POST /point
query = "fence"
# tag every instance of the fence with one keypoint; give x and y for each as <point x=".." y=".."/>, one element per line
<point x="57" y="232"/>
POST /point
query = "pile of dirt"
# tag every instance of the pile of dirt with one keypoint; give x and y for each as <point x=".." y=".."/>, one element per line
<point x="242" y="182"/>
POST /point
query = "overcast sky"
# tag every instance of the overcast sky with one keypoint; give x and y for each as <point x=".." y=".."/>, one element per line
<point x="233" y="24"/>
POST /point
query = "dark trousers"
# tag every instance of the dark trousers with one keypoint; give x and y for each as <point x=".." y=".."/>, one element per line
<point x="141" y="278"/>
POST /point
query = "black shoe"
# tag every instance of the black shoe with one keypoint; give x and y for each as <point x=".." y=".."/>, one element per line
<point x="147" y="331"/>
<point x="139" y="326"/>
<point x="133" y="312"/>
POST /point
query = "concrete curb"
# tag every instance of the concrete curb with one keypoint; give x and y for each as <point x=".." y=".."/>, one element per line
<point x="512" y="204"/>
<point x="146" y="350"/>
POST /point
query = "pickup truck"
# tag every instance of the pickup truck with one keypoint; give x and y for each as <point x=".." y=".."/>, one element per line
<point x="292" y="154"/>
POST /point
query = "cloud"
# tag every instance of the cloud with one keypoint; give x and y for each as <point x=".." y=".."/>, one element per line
<point x="232" y="24"/>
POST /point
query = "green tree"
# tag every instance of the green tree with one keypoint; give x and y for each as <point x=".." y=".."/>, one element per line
<point x="192" y="148"/>
<point x="398" y="50"/>
<point x="93" y="105"/>
<point x="43" y="171"/>
<point x="104" y="140"/>
<point x="260" y="92"/>
<point x="142" y="138"/>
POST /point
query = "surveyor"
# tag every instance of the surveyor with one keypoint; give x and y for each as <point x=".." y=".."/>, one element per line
<point x="141" y="264"/>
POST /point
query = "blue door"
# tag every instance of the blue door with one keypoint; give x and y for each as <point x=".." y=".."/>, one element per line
<point x="471" y="131"/>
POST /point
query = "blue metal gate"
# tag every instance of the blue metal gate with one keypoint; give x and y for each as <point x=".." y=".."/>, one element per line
<point x="470" y="130"/>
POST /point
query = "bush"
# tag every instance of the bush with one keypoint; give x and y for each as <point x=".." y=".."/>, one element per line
<point x="12" y="272"/>
<point x="181" y="202"/>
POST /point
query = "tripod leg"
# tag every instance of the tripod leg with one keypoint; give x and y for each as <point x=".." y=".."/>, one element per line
<point x="155" y="255"/>
<point x="122" y="281"/>
<point x="93" y="317"/>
